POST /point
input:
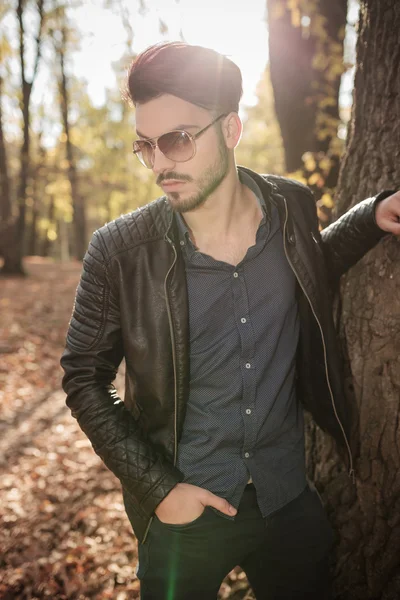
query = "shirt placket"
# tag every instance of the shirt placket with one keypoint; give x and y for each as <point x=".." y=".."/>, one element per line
<point x="248" y="362"/>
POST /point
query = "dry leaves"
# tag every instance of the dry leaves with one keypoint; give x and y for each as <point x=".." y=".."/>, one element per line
<point x="64" y="533"/>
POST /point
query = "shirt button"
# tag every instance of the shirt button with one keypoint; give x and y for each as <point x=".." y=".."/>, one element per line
<point x="246" y="455"/>
<point x="248" y="366"/>
<point x="248" y="411"/>
<point x="182" y="243"/>
<point x="236" y="274"/>
<point x="243" y="320"/>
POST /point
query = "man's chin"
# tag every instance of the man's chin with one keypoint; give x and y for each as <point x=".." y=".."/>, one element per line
<point x="179" y="203"/>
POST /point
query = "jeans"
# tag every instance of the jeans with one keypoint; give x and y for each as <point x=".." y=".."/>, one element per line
<point x="285" y="555"/>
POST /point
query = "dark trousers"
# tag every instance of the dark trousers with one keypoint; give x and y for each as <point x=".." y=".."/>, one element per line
<point x="285" y="556"/>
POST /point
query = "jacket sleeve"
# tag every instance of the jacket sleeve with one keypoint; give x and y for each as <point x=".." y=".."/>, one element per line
<point x="90" y="361"/>
<point x="345" y="241"/>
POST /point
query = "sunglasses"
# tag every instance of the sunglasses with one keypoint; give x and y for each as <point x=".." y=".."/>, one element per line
<point x="177" y="145"/>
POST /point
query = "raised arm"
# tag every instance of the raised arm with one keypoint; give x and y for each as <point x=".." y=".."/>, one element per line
<point x="356" y="232"/>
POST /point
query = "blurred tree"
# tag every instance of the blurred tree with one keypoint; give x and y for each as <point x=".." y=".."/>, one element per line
<point x="7" y="224"/>
<point x="306" y="62"/>
<point x="366" y="514"/>
<point x="36" y="199"/>
<point x="260" y="147"/>
<point x="63" y="38"/>
<point x="5" y="191"/>
<point x="13" y="235"/>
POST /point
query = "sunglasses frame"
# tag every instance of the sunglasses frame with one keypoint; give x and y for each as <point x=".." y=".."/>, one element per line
<point x="154" y="142"/>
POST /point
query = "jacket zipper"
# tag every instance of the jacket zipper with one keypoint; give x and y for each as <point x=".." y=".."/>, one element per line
<point x="351" y="469"/>
<point x="174" y="367"/>
<point x="173" y="347"/>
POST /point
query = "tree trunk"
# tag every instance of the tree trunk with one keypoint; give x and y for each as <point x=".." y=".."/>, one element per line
<point x="38" y="184"/>
<point x="79" y="216"/>
<point x="367" y="513"/>
<point x="50" y="218"/>
<point x="16" y="235"/>
<point x="5" y="191"/>
<point x="8" y="237"/>
<point x="306" y="64"/>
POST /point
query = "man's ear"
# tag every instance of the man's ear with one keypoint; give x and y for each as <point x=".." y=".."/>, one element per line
<point x="232" y="129"/>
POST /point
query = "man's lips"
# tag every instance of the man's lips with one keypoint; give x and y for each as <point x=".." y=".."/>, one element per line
<point x="170" y="184"/>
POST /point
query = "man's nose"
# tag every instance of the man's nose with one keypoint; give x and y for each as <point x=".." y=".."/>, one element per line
<point x="161" y="162"/>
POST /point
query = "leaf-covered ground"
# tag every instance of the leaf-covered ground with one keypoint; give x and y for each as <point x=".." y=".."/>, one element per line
<point x="64" y="534"/>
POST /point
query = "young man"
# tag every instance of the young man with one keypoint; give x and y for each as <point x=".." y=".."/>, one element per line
<point x="218" y="297"/>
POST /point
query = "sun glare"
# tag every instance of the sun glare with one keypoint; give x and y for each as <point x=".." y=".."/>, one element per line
<point x="231" y="27"/>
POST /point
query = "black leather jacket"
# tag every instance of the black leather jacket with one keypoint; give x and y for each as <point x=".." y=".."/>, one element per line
<point x="132" y="302"/>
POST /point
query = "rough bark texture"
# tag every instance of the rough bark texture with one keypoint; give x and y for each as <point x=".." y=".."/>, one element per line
<point x="367" y="513"/>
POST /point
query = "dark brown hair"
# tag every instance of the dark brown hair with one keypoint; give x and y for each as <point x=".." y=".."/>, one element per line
<point x="198" y="75"/>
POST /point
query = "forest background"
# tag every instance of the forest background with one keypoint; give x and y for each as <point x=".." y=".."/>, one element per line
<point x="66" y="168"/>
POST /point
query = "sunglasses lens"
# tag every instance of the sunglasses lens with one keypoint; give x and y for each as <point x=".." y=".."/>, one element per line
<point x="145" y="152"/>
<point x="176" y="145"/>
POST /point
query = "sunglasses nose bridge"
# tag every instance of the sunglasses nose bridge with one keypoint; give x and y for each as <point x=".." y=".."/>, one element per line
<point x="159" y="159"/>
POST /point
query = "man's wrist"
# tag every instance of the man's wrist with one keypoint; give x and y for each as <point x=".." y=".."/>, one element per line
<point x="378" y="198"/>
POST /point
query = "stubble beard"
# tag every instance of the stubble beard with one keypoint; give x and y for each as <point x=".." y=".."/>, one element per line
<point x="207" y="184"/>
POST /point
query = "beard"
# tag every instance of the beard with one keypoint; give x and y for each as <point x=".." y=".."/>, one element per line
<point x="207" y="183"/>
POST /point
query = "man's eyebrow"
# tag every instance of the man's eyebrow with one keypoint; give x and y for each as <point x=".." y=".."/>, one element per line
<point x="181" y="126"/>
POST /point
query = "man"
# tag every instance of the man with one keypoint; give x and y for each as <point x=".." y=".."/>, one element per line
<point x="218" y="297"/>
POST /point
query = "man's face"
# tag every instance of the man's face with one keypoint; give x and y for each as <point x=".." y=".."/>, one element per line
<point x="187" y="185"/>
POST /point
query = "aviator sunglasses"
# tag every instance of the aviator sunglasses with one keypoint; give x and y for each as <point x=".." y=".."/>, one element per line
<point x="177" y="145"/>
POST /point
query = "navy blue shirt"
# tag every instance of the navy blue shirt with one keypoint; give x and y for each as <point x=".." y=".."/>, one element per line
<point x="243" y="419"/>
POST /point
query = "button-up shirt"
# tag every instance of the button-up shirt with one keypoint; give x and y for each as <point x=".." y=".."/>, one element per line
<point x="243" y="419"/>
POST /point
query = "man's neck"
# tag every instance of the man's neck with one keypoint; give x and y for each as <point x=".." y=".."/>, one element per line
<point x="225" y="212"/>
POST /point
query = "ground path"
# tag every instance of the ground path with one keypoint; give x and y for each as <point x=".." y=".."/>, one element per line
<point x="64" y="534"/>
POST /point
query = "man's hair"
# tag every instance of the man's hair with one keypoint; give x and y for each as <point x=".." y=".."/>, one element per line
<point x="198" y="75"/>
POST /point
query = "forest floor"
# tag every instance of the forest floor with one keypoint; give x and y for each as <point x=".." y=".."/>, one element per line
<point x="64" y="533"/>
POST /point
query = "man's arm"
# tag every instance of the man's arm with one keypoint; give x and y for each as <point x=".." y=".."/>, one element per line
<point x="345" y="241"/>
<point x="90" y="361"/>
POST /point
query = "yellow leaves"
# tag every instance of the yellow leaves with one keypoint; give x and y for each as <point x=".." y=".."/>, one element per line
<point x="342" y="32"/>
<point x="325" y="164"/>
<point x="323" y="133"/>
<point x="59" y="187"/>
<point x="320" y="61"/>
<point x="314" y="179"/>
<point x="5" y="48"/>
<point x="116" y="203"/>
<point x="298" y="175"/>
<point x="309" y="161"/>
<point x="327" y="101"/>
<point x="327" y="200"/>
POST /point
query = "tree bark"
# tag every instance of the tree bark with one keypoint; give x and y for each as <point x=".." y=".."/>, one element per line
<point x="367" y="513"/>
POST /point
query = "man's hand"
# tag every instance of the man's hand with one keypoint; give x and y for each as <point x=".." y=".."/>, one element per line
<point x="186" y="502"/>
<point x="387" y="214"/>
